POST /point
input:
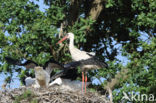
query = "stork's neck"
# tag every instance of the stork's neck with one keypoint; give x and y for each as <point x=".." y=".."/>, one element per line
<point x="71" y="43"/>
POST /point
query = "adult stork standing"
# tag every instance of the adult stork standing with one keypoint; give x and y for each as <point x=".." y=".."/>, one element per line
<point x="78" y="55"/>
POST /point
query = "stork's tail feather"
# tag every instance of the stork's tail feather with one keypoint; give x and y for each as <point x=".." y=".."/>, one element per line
<point x="103" y="65"/>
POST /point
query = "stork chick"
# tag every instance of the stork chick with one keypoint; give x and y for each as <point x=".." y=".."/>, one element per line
<point x="42" y="77"/>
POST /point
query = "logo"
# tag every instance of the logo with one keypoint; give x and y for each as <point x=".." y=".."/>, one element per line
<point x="138" y="97"/>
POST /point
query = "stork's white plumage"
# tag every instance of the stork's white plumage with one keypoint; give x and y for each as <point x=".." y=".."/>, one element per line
<point x="29" y="81"/>
<point x="78" y="55"/>
<point x="67" y="84"/>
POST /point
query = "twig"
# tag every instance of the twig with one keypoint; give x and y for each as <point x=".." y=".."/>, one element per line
<point x="61" y="30"/>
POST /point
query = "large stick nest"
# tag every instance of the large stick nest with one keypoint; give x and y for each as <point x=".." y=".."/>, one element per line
<point x="49" y="95"/>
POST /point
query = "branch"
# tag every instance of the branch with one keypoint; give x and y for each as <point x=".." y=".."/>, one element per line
<point x="97" y="7"/>
<point x="74" y="11"/>
<point x="110" y="85"/>
<point x="117" y="79"/>
<point x="63" y="24"/>
<point x="110" y="95"/>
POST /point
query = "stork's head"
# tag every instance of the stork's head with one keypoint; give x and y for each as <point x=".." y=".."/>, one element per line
<point x="38" y="68"/>
<point x="68" y="36"/>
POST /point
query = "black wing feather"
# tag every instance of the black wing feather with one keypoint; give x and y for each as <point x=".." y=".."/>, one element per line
<point x="12" y="61"/>
<point x="66" y="73"/>
<point x="53" y="64"/>
<point x="70" y="71"/>
<point x="28" y="64"/>
<point x="94" y="61"/>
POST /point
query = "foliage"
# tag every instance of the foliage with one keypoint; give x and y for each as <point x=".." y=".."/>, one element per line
<point x="28" y="33"/>
<point x="28" y="95"/>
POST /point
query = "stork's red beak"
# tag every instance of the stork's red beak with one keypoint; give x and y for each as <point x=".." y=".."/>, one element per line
<point x="64" y="38"/>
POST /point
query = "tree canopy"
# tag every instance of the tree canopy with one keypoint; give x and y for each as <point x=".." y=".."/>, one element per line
<point x="107" y="27"/>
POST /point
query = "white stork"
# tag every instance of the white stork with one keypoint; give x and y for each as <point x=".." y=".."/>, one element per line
<point x="78" y="55"/>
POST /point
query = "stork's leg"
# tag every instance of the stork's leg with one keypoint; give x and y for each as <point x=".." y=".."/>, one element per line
<point x="82" y="80"/>
<point x="85" y="82"/>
